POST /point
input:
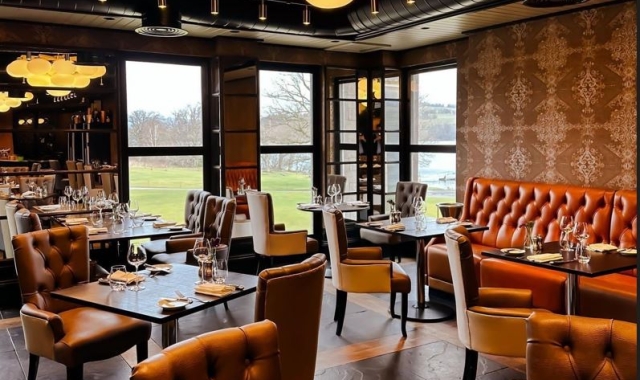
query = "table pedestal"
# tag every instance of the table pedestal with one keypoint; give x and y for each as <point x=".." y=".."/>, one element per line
<point x="169" y="333"/>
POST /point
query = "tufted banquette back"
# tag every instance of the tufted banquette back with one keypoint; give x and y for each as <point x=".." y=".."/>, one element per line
<point x="219" y="217"/>
<point x="406" y="192"/>
<point x="503" y="206"/>
<point x="48" y="260"/>
<point x="194" y="210"/>
<point x="250" y="174"/>
<point x="624" y="219"/>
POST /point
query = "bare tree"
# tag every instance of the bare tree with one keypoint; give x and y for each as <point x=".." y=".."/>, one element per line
<point x="145" y="128"/>
<point x="288" y="120"/>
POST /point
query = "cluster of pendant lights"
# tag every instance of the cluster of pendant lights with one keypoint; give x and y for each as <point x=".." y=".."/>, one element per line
<point x="9" y="100"/>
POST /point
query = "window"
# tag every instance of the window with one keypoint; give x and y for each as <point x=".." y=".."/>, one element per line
<point x="433" y="133"/>
<point x="164" y="135"/>
<point x="286" y="140"/>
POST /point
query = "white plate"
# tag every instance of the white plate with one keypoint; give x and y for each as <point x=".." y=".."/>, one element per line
<point x="160" y="268"/>
<point x="512" y="251"/>
<point x="172" y="304"/>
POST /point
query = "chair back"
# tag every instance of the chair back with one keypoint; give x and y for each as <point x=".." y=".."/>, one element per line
<point x="27" y="221"/>
<point x="88" y="178"/>
<point x="5" y="170"/>
<point x="71" y="166"/>
<point x="337" y="179"/>
<point x="107" y="183"/>
<point x="194" y="209"/>
<point x="80" y="176"/>
<point x="580" y="348"/>
<point x="465" y="283"/>
<point x="48" y="181"/>
<point x="336" y="242"/>
<point x="36" y="166"/>
<point x="11" y="208"/>
<point x="261" y="210"/>
<point x="406" y="192"/>
<point x="291" y="296"/>
<point x="249" y="352"/>
<point x="48" y="260"/>
<point x="218" y="218"/>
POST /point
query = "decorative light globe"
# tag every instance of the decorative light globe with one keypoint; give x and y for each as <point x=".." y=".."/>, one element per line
<point x="38" y="66"/>
<point x="62" y="66"/>
<point x="329" y="4"/>
<point x="58" y="92"/>
<point x="80" y="81"/>
<point x="39" y="80"/>
<point x="62" y="80"/>
<point x="18" y="68"/>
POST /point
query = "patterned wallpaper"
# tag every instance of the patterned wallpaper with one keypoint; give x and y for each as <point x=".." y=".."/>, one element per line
<point x="551" y="100"/>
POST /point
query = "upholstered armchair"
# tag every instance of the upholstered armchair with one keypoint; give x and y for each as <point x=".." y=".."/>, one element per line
<point x="26" y="221"/>
<point x="361" y="270"/>
<point x="490" y="320"/>
<point x="406" y="192"/>
<point x="249" y="352"/>
<point x="194" y="214"/>
<point x="296" y="287"/>
<point x="54" y="259"/>
<point x="48" y="181"/>
<point x="269" y="242"/>
<point x="218" y="220"/>
<point x="576" y="348"/>
<point x="337" y="179"/>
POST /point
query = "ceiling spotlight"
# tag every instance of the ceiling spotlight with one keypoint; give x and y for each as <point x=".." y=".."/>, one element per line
<point x="103" y="1"/>
<point x="162" y="4"/>
<point x="262" y="11"/>
<point x="374" y="7"/>
<point x="215" y="7"/>
<point x="329" y="4"/>
<point x="411" y="2"/>
<point x="306" y="16"/>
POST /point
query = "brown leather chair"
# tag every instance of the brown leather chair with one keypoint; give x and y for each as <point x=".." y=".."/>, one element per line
<point x="361" y="270"/>
<point x="291" y="297"/>
<point x="194" y="214"/>
<point x="249" y="352"/>
<point x="219" y="213"/>
<point x="54" y="259"/>
<point x="406" y="192"/>
<point x="576" y="348"/>
<point x="27" y="221"/>
<point x="269" y="242"/>
<point x="490" y="320"/>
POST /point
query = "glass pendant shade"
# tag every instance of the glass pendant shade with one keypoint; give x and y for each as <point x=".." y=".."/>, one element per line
<point x="329" y="4"/>
<point x="9" y="99"/>
<point x="54" y="71"/>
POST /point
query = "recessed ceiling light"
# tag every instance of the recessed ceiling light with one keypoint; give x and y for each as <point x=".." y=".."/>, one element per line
<point x="335" y="41"/>
<point x="424" y="28"/>
<point x="234" y="31"/>
<point x="109" y="18"/>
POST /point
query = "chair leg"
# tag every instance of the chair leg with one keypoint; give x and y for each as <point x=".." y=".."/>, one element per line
<point x="74" y="373"/>
<point x="142" y="351"/>
<point x="34" y="360"/>
<point x="259" y="260"/>
<point x="403" y="313"/>
<point x="226" y="306"/>
<point x="341" y="308"/>
<point x="392" y="304"/>
<point x="470" y="364"/>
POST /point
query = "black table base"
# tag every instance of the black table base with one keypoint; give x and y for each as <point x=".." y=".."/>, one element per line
<point x="432" y="312"/>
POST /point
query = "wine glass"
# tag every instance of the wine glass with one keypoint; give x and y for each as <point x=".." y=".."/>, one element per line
<point x="68" y="191"/>
<point x="581" y="232"/>
<point x="566" y="225"/>
<point x="114" y="199"/>
<point x="77" y="195"/>
<point x="133" y="207"/>
<point x="32" y="184"/>
<point x="331" y="191"/>
<point x="337" y="194"/>
<point x="136" y="257"/>
<point x="202" y="252"/>
<point x="85" y="192"/>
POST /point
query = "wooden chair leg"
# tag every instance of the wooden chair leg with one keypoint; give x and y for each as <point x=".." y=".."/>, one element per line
<point x="34" y="360"/>
<point x="74" y="373"/>
<point x="403" y="313"/>
<point x="470" y="364"/>
<point x="142" y="351"/>
<point x="392" y="304"/>
<point x="341" y="306"/>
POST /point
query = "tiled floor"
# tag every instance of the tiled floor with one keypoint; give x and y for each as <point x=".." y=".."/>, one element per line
<point x="371" y="345"/>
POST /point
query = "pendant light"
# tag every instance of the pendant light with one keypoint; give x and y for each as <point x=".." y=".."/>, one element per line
<point x="329" y="4"/>
<point x="306" y="16"/>
<point x="262" y="11"/>
<point x="411" y="2"/>
<point x="215" y="7"/>
<point x="162" y="4"/>
<point x="374" y="7"/>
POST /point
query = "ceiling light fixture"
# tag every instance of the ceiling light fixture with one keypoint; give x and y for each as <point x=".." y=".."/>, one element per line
<point x="103" y="1"/>
<point x="215" y="7"/>
<point x="410" y="2"/>
<point x="551" y="3"/>
<point x="162" y="4"/>
<point x="10" y="100"/>
<point x="329" y="4"/>
<point x="306" y="16"/>
<point x="262" y="11"/>
<point x="54" y="71"/>
<point x="374" y="7"/>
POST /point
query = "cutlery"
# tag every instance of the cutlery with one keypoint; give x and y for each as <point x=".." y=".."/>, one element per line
<point x="238" y="287"/>
<point x="562" y="261"/>
<point x="190" y="299"/>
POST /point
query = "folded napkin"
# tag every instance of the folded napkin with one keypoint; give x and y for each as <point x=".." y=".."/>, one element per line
<point x="47" y="207"/>
<point x="545" y="257"/>
<point x="358" y="203"/>
<point x="394" y="227"/>
<point x="75" y="221"/>
<point x="160" y="224"/>
<point x="28" y="194"/>
<point x="628" y="251"/>
<point x="601" y="247"/>
<point x="216" y="290"/>
<point x="98" y="230"/>
<point x="309" y="205"/>
<point x="446" y="220"/>
<point x="127" y="277"/>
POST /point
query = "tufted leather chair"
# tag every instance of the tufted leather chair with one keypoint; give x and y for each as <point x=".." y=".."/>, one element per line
<point x="48" y="180"/>
<point x="269" y="242"/>
<point x="13" y="169"/>
<point x="580" y="348"/>
<point x="296" y="287"/>
<point x="361" y="270"/>
<point x="194" y="219"/>
<point x="406" y="192"/>
<point x="219" y="215"/>
<point x="249" y="352"/>
<point x="489" y="320"/>
<point x="67" y="333"/>
<point x="27" y="221"/>
<point x="338" y="180"/>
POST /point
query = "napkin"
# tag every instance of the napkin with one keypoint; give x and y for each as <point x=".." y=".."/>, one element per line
<point x="446" y="220"/>
<point x="98" y="230"/>
<point x="601" y="247"/>
<point x="358" y="203"/>
<point x="127" y="277"/>
<point x="28" y="194"/>
<point x="545" y="257"/>
<point x="628" y="251"/>
<point x="394" y="227"/>
<point x="216" y="290"/>
<point x="48" y="207"/>
<point x="160" y="224"/>
<point x="75" y="221"/>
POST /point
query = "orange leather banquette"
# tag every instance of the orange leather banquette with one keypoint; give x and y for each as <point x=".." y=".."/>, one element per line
<point x="233" y="175"/>
<point x="504" y="206"/>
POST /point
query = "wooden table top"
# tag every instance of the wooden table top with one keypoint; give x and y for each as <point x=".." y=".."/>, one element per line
<point x="600" y="263"/>
<point x="143" y="304"/>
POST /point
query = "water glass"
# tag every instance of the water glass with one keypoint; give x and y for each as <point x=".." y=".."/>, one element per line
<point x="64" y="202"/>
<point x="222" y="265"/>
<point x="581" y="232"/>
<point x="118" y="225"/>
<point x="116" y="285"/>
<point x="421" y="224"/>
<point x="96" y="219"/>
<point x="338" y="197"/>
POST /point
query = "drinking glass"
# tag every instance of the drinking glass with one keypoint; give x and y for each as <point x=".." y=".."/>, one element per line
<point x="68" y="191"/>
<point x="133" y="207"/>
<point x="581" y="232"/>
<point x="113" y="199"/>
<point x="202" y="252"/>
<point x="100" y="203"/>
<point x="136" y="257"/>
<point x="84" y="190"/>
<point x="566" y="225"/>
<point x="31" y="184"/>
<point x="337" y="191"/>
<point x="64" y="202"/>
<point x="77" y="196"/>
<point x="96" y="219"/>
<point x="331" y="191"/>
<point x="117" y="284"/>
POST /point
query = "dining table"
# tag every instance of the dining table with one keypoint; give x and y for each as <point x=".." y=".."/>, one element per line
<point x="144" y="304"/>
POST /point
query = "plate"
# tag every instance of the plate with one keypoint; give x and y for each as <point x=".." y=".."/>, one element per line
<point x="512" y="251"/>
<point x="172" y="303"/>
<point x="160" y="268"/>
<point x="628" y="252"/>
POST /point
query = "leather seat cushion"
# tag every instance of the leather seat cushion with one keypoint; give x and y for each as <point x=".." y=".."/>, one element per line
<point x="170" y="258"/>
<point x="93" y="334"/>
<point x="438" y="265"/>
<point x="154" y="247"/>
<point x="400" y="281"/>
<point x="378" y="238"/>
<point x="611" y="296"/>
<point x="312" y="245"/>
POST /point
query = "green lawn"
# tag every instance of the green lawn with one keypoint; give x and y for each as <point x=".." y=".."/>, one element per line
<point x="163" y="191"/>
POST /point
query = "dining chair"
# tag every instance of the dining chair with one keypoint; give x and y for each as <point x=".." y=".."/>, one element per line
<point x="249" y="352"/>
<point x="80" y="176"/>
<point x="48" y="181"/>
<point x="282" y="290"/>
<point x="73" y="179"/>
<point x="571" y="347"/>
<point x="489" y="320"/>
<point x="26" y="221"/>
<point x="391" y="244"/>
<point x="67" y="333"/>
<point x="361" y="270"/>
<point x="269" y="242"/>
<point x="337" y="179"/>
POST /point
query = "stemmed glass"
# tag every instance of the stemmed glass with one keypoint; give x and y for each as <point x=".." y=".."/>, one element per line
<point x="84" y="190"/>
<point x="77" y="195"/>
<point x="566" y="225"/>
<point x="202" y="252"/>
<point x="337" y="193"/>
<point x="581" y="232"/>
<point x="133" y="208"/>
<point x="31" y="184"/>
<point x="101" y="202"/>
<point x="68" y="191"/>
<point x="136" y="257"/>
<point x="331" y="191"/>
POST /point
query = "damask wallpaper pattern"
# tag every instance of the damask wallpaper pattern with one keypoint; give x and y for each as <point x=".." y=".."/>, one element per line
<point x="551" y="100"/>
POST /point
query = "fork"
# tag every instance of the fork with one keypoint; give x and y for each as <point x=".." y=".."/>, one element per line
<point x="190" y="299"/>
